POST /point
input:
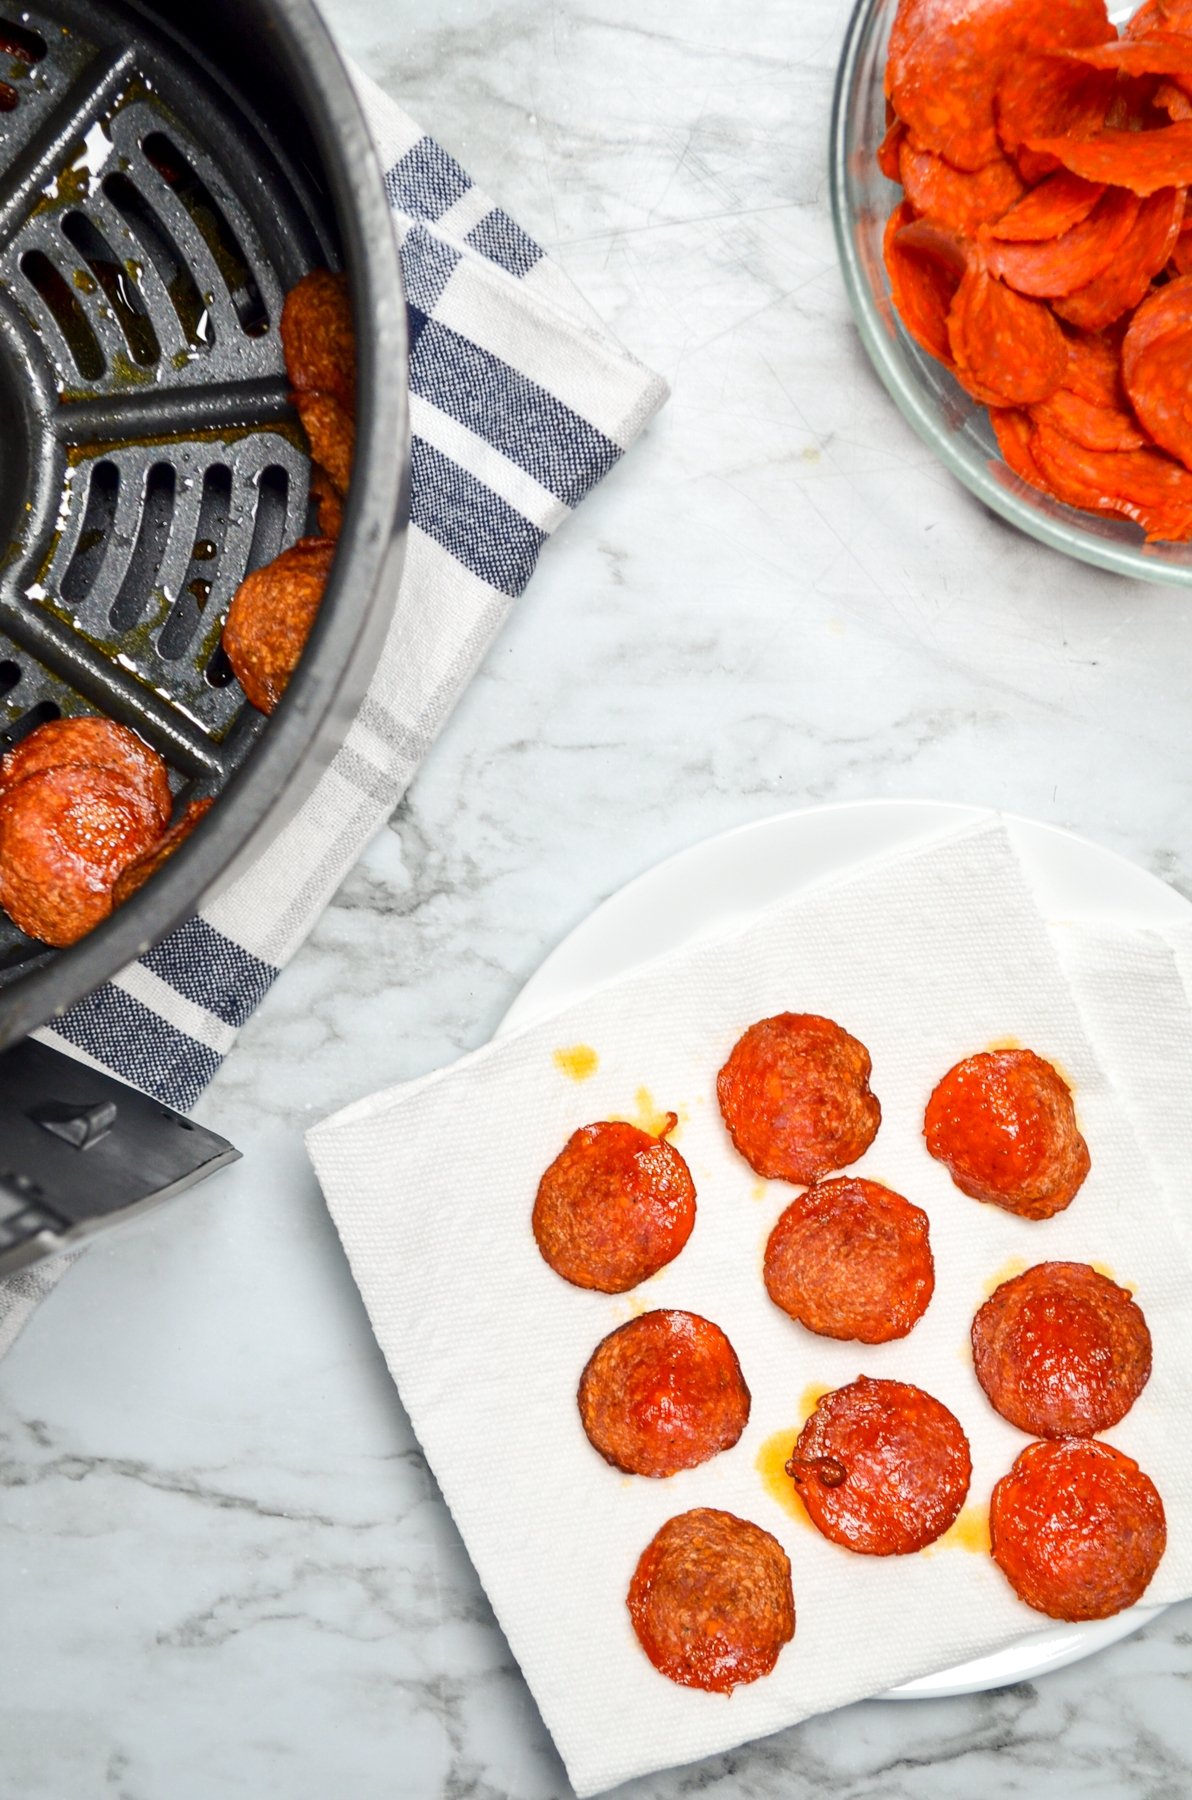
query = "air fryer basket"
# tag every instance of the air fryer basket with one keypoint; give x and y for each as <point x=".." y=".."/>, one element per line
<point x="159" y="193"/>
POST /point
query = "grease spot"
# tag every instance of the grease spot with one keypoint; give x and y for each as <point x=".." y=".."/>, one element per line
<point x="1005" y="1043"/>
<point x="1103" y="1268"/>
<point x="970" y="1532"/>
<point x="577" y="1061"/>
<point x="770" y="1463"/>
<point x="649" y="1117"/>
<point x="1016" y="1265"/>
<point x="810" y="1398"/>
<point x="758" y="1191"/>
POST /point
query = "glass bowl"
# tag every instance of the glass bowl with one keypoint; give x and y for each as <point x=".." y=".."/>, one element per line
<point x="955" y="426"/>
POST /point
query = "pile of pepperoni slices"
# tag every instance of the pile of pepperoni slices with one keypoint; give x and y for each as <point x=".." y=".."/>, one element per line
<point x="881" y="1467"/>
<point x="1042" y="251"/>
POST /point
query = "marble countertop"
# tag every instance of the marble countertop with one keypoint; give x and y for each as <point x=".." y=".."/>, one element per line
<point x="226" y="1570"/>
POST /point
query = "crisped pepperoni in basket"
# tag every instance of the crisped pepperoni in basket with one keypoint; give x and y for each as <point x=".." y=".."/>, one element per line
<point x="711" y="1600"/>
<point x="614" y="1207"/>
<point x="1003" y="1124"/>
<point x="1077" y="1529"/>
<point x="882" y="1467"/>
<point x="663" y="1393"/>
<point x="1044" y="164"/>
<point x="794" y="1094"/>
<point x="851" y="1259"/>
<point x="1061" y="1350"/>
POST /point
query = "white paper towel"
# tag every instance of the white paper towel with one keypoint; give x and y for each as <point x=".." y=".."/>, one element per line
<point x="927" y="956"/>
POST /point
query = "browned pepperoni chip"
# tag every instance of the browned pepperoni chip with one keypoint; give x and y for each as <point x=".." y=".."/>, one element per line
<point x="94" y="740"/>
<point x="711" y="1600"/>
<point x="614" y="1207"/>
<point x="328" y="501"/>
<point x="271" y="617"/>
<point x="1077" y="1529"/>
<point x="1003" y="1125"/>
<point x="318" y="340"/>
<point x="1061" y="1351"/>
<point x="795" y="1097"/>
<point x="65" y="835"/>
<point x="881" y="1467"/>
<point x="662" y="1393"/>
<point x="130" y="880"/>
<point x="851" y="1259"/>
<point x="332" y="435"/>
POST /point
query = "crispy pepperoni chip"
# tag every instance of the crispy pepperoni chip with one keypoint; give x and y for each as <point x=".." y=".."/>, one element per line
<point x="98" y="741"/>
<point x="711" y="1600"/>
<point x="317" y="338"/>
<point x="132" y="879"/>
<point x="329" y="503"/>
<point x="851" y="1259"/>
<point x="331" y="433"/>
<point x="1003" y="1125"/>
<point x="65" y="836"/>
<point x="615" y="1206"/>
<point x="1077" y="1529"/>
<point x="881" y="1467"/>
<point x="271" y="617"/>
<point x="663" y="1393"/>
<point x="795" y="1097"/>
<point x="1061" y="1351"/>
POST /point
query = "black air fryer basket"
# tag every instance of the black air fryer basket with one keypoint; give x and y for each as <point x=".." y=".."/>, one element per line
<point x="167" y="172"/>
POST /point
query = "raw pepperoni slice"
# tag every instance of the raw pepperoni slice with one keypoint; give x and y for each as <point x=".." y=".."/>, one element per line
<point x="1004" y="343"/>
<point x="1071" y="261"/>
<point x="1012" y="429"/>
<point x="91" y="739"/>
<point x="958" y="200"/>
<point x="1161" y="54"/>
<point x="1095" y="368"/>
<point x="65" y="835"/>
<point x="317" y="338"/>
<point x="663" y="1393"/>
<point x="945" y="62"/>
<point x="1173" y="100"/>
<point x="1003" y="1125"/>
<point x="851" y="1259"/>
<point x="881" y="1467"/>
<point x="1156" y="367"/>
<point x="614" y="1207"/>
<point x="1085" y="422"/>
<point x="1061" y="1351"/>
<point x="795" y="1097"/>
<point x="271" y="616"/>
<point x="1077" y="1529"/>
<point x="1049" y="210"/>
<point x="889" y="148"/>
<point x="1151" y="16"/>
<point x="1143" y="161"/>
<point x="1181" y="254"/>
<point x="1046" y="97"/>
<point x="711" y="1600"/>
<point x="1144" y="485"/>
<point x="332" y="435"/>
<point x="1120" y="287"/>
<point x="924" y="265"/>
<point x="132" y="879"/>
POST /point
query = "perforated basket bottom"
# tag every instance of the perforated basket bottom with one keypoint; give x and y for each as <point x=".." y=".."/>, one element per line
<point x="148" y="457"/>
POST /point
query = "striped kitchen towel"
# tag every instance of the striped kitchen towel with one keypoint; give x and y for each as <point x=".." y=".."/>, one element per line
<point x="519" y="403"/>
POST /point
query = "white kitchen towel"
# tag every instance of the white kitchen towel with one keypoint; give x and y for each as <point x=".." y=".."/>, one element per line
<point x="519" y="403"/>
<point x="927" y="956"/>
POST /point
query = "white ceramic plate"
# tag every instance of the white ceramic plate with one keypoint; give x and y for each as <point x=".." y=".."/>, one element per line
<point x="734" y="876"/>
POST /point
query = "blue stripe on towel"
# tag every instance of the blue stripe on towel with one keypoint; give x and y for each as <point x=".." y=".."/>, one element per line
<point x="426" y="181"/>
<point x="478" y="527"/>
<point x="512" y="413"/>
<point x="138" y="1045"/>
<point x="503" y="241"/>
<point x="205" y="966"/>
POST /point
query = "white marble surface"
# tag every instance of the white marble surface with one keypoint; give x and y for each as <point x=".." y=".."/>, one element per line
<point x="224" y="1568"/>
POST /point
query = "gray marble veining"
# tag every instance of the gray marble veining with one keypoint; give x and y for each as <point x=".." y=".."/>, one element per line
<point x="224" y="1568"/>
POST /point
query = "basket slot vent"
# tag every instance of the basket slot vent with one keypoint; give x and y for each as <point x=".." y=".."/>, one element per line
<point x="96" y="533"/>
<point x="211" y="222"/>
<point x="214" y="509"/>
<point x="140" y="579"/>
<point x="106" y="274"/>
<point x="219" y="670"/>
<point x="49" y="283"/>
<point x="269" y="525"/>
<point x="10" y="675"/>
<point x="161" y="250"/>
<point x="41" y="714"/>
<point x="20" y="43"/>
